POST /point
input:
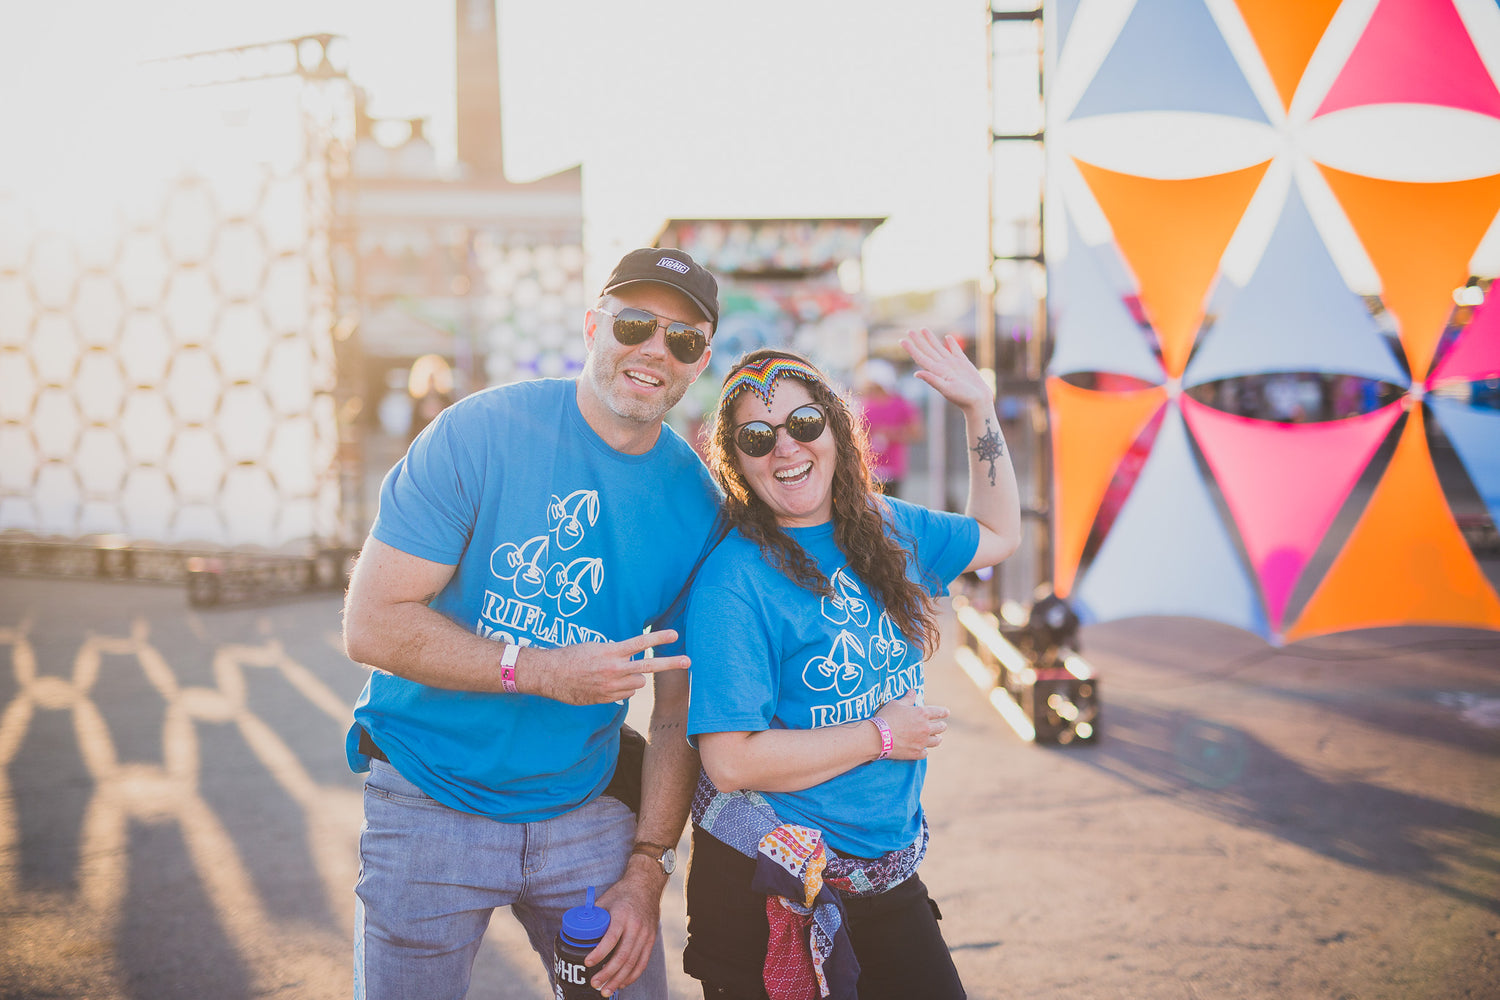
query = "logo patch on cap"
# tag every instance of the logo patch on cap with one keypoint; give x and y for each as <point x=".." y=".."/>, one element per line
<point x="674" y="264"/>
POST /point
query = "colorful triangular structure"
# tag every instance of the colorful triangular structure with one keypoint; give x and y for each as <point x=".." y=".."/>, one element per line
<point x="1295" y="315"/>
<point x="1420" y="237"/>
<point x="1406" y="563"/>
<point x="1062" y="14"/>
<point x="1170" y="56"/>
<point x="1414" y="52"/>
<point x="1475" y="435"/>
<point x="1172" y="234"/>
<point x="1093" y="329"/>
<point x="1475" y="355"/>
<point x="1284" y="484"/>
<point x="1169" y="531"/>
<point x="1091" y="432"/>
<point x="1287" y="34"/>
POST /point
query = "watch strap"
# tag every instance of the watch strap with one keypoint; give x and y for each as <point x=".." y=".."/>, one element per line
<point x="665" y="857"/>
<point x="649" y="849"/>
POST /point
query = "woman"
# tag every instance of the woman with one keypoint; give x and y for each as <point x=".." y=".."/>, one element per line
<point x="807" y="628"/>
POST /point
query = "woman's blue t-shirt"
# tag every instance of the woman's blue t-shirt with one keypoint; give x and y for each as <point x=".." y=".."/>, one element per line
<point x="768" y="654"/>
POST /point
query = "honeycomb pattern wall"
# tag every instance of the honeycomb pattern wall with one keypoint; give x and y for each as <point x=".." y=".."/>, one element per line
<point x="534" y="298"/>
<point x="510" y="297"/>
<point x="167" y="375"/>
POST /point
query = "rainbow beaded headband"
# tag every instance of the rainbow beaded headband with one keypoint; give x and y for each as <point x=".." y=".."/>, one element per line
<point x="760" y="377"/>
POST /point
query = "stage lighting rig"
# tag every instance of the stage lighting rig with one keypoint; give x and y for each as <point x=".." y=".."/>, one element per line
<point x="1030" y="662"/>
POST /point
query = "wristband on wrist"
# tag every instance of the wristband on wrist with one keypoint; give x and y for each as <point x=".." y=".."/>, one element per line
<point x="887" y="741"/>
<point x="508" y="667"/>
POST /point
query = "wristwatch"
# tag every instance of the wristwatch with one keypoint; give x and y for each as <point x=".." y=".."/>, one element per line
<point x="664" y="856"/>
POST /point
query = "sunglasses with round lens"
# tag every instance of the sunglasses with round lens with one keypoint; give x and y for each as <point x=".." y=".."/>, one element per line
<point x="635" y="326"/>
<point x="756" y="438"/>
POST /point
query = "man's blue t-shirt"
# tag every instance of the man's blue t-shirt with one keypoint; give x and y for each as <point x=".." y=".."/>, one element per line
<point x="768" y="654"/>
<point x="557" y="539"/>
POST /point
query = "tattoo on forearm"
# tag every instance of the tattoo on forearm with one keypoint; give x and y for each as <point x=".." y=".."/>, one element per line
<point x="989" y="447"/>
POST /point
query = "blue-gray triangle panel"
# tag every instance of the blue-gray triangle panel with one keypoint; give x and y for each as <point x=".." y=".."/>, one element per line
<point x="1295" y="315"/>
<point x="1170" y="57"/>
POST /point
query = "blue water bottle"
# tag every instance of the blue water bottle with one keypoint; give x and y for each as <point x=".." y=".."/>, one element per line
<point x="582" y="928"/>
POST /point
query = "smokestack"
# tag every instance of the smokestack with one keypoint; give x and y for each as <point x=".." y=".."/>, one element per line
<point x="478" y="63"/>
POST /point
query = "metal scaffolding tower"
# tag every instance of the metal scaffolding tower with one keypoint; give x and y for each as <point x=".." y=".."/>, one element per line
<point x="1013" y="331"/>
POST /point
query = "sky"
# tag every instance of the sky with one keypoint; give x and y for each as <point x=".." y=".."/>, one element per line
<point x="675" y="108"/>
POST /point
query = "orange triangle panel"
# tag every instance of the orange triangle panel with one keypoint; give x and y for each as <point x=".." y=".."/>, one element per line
<point x="1420" y="237"/>
<point x="1091" y="432"/>
<point x="1172" y="234"/>
<point x="1406" y="562"/>
<point x="1287" y="34"/>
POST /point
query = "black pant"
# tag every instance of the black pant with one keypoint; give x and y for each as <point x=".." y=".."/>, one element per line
<point x="896" y="938"/>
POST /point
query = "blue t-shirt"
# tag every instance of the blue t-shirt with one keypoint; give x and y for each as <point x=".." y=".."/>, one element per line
<point x="768" y="654"/>
<point x="557" y="539"/>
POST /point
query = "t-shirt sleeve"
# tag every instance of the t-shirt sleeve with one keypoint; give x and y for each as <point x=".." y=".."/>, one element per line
<point x="944" y="542"/>
<point x="429" y="499"/>
<point x="734" y="675"/>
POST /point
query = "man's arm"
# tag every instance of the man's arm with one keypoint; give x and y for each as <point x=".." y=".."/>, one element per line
<point x="388" y="624"/>
<point x="668" y="777"/>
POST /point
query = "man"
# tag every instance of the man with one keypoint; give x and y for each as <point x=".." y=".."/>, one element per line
<point x="520" y="547"/>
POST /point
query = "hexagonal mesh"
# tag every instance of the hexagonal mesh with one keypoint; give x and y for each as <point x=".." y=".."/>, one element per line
<point x="167" y="374"/>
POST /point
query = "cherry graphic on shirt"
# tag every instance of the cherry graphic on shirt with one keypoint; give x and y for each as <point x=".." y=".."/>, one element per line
<point x="522" y="565"/>
<point x="847" y="604"/>
<point x="567" y="516"/>
<point x="566" y="583"/>
<point x="887" y="647"/>
<point x="841" y="669"/>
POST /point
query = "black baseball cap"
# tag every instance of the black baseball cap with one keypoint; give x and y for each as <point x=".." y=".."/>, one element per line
<point x="674" y="268"/>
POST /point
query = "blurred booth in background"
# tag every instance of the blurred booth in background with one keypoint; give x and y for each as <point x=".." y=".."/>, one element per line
<point x="795" y="283"/>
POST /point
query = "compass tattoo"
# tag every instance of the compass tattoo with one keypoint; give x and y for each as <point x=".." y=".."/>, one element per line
<point x="989" y="447"/>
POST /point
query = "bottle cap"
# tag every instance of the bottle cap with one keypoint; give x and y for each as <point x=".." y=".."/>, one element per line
<point x="585" y="924"/>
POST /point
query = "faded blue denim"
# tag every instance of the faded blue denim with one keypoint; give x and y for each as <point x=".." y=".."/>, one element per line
<point x="430" y="877"/>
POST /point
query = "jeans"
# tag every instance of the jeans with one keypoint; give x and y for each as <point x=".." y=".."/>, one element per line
<point x="431" y="876"/>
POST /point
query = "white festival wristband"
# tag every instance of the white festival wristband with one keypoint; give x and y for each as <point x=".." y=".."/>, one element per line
<point x="508" y="667"/>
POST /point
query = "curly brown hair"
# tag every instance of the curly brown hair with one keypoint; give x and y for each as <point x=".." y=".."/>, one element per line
<point x="859" y="529"/>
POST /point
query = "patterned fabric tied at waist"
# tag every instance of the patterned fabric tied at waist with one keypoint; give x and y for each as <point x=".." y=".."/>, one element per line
<point x="810" y="955"/>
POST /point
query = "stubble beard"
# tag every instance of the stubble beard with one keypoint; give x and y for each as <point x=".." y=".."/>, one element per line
<point x="621" y="405"/>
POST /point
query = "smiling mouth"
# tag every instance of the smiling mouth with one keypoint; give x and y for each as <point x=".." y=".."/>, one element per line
<point x="795" y="475"/>
<point x="644" y="379"/>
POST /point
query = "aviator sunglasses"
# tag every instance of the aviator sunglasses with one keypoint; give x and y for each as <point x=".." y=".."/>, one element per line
<point x="756" y="438"/>
<point x="635" y="326"/>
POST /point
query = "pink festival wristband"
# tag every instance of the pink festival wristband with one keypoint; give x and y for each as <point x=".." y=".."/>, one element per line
<point x="508" y="667"/>
<point x="887" y="742"/>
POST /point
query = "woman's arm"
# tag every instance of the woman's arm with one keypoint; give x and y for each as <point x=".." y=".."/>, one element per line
<point x="994" y="498"/>
<point x="789" y="760"/>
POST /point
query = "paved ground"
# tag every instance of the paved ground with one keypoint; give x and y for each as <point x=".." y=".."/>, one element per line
<point x="1323" y="821"/>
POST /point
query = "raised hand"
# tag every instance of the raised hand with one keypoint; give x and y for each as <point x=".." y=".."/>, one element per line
<point x="943" y="365"/>
<point x="915" y="728"/>
<point x="594" y="673"/>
